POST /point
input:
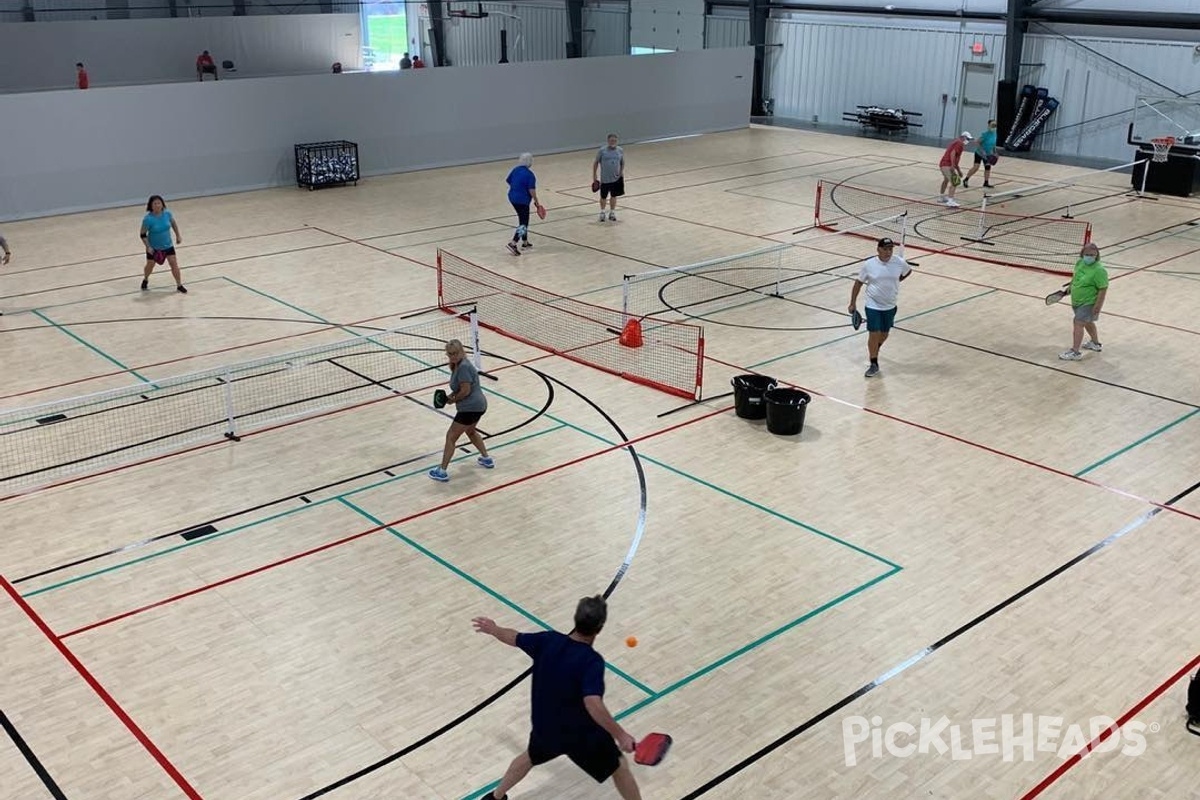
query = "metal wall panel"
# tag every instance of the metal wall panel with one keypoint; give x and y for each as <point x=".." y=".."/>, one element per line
<point x="1097" y="81"/>
<point x="826" y="68"/>
<point x="723" y="31"/>
<point x="606" y="30"/>
<point x="535" y="33"/>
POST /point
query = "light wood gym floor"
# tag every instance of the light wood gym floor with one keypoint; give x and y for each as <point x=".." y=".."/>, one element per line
<point x="984" y="531"/>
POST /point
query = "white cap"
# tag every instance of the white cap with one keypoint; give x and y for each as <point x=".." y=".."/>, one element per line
<point x="966" y="135"/>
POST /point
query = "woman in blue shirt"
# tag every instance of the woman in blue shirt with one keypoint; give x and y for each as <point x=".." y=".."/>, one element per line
<point x="157" y="226"/>
<point x="985" y="154"/>
<point x="522" y="190"/>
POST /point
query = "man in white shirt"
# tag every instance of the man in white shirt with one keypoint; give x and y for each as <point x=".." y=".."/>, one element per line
<point x="881" y="274"/>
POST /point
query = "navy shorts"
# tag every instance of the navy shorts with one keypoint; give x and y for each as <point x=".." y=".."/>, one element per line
<point x="880" y="321"/>
<point x="616" y="188"/>
<point x="468" y="418"/>
<point x="597" y="755"/>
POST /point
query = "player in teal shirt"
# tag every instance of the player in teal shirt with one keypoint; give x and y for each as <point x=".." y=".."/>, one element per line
<point x="985" y="154"/>
<point x="155" y="234"/>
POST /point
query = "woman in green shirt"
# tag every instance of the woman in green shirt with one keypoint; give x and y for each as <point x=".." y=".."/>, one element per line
<point x="1089" y="286"/>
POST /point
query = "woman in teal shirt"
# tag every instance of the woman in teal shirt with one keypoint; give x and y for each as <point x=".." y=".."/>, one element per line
<point x="157" y="226"/>
<point x="985" y="154"/>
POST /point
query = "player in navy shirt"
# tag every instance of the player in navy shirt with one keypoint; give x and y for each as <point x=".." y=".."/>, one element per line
<point x="522" y="190"/>
<point x="569" y="716"/>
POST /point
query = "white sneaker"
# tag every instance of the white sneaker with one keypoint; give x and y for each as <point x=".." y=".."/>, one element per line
<point x="602" y="217"/>
<point x="942" y="199"/>
<point x="1090" y="345"/>
<point x="1071" y="355"/>
<point x="612" y="216"/>
<point x="952" y="203"/>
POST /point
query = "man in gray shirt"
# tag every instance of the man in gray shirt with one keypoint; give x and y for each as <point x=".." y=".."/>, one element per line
<point x="610" y="180"/>
<point x="406" y="62"/>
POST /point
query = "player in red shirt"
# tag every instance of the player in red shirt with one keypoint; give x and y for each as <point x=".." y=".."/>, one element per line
<point x="951" y="171"/>
<point x="206" y="66"/>
<point x="81" y="76"/>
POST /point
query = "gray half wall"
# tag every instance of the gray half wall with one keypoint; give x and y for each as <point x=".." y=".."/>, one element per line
<point x="71" y="151"/>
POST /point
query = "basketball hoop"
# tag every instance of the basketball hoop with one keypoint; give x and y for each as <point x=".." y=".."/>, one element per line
<point x="1162" y="147"/>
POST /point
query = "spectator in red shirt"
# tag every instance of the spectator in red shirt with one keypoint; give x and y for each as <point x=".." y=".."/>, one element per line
<point x="81" y="76"/>
<point x="417" y="63"/>
<point x="951" y="172"/>
<point x="206" y="66"/>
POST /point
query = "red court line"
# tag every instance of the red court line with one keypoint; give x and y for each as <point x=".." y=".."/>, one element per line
<point x="977" y="445"/>
<point x="137" y="732"/>
<point x="1108" y="732"/>
<point x="400" y="521"/>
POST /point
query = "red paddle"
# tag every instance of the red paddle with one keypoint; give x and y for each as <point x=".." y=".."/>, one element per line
<point x="652" y="749"/>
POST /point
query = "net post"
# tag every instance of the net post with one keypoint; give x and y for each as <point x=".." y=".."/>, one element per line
<point x="230" y="411"/>
<point x="778" y="273"/>
<point x="474" y="319"/>
<point x="903" y="231"/>
<point x="625" y="299"/>
<point x="817" y="204"/>
<point x="982" y="218"/>
<point x="440" y="296"/>
<point x="1068" y="214"/>
<point x="1145" y="172"/>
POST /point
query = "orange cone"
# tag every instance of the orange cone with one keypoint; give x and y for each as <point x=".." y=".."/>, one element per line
<point x="631" y="336"/>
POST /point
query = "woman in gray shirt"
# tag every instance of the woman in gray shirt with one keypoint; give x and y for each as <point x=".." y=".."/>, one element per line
<point x="467" y="394"/>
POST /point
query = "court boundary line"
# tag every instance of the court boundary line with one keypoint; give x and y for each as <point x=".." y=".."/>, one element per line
<point x="1108" y="732"/>
<point x="31" y="758"/>
<point x="101" y="692"/>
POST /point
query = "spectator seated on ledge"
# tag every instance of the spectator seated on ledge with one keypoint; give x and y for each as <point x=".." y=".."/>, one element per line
<point x="206" y="66"/>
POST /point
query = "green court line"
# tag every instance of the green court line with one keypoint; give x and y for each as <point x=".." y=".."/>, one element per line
<point x="720" y="662"/>
<point x="90" y="346"/>
<point x="759" y="642"/>
<point x="856" y="333"/>
<point x="1139" y="442"/>
<point x="246" y="526"/>
<point x="478" y="584"/>
<point x="275" y="299"/>
<point x="131" y="293"/>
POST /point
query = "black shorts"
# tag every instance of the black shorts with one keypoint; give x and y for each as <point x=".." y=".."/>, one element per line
<point x="209" y="68"/>
<point x="979" y="159"/>
<point x="468" y="417"/>
<point x="170" y="251"/>
<point x="596" y="755"/>
<point x="616" y="188"/>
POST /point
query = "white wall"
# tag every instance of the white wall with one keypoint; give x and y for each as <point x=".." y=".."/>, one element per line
<point x="70" y="150"/>
<point x="667" y="24"/>
<point x="727" y="31"/>
<point x="827" y="67"/>
<point x="1157" y="6"/>
<point x="1093" y="87"/>
<point x="42" y="55"/>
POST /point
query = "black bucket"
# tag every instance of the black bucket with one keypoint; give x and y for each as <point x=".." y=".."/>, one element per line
<point x="748" y="394"/>
<point x="785" y="410"/>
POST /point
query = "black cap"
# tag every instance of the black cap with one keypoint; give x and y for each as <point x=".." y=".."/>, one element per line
<point x="886" y="242"/>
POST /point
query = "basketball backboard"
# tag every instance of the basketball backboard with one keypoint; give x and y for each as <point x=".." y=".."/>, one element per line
<point x="1166" y="116"/>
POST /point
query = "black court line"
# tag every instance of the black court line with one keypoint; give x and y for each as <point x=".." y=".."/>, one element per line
<point x="141" y="253"/>
<point x="132" y="277"/>
<point x="930" y="650"/>
<point x="612" y="587"/>
<point x="386" y="470"/>
<point x="1030" y="362"/>
<point x="31" y="757"/>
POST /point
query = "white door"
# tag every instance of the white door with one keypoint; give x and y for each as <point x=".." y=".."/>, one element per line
<point x="976" y="98"/>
